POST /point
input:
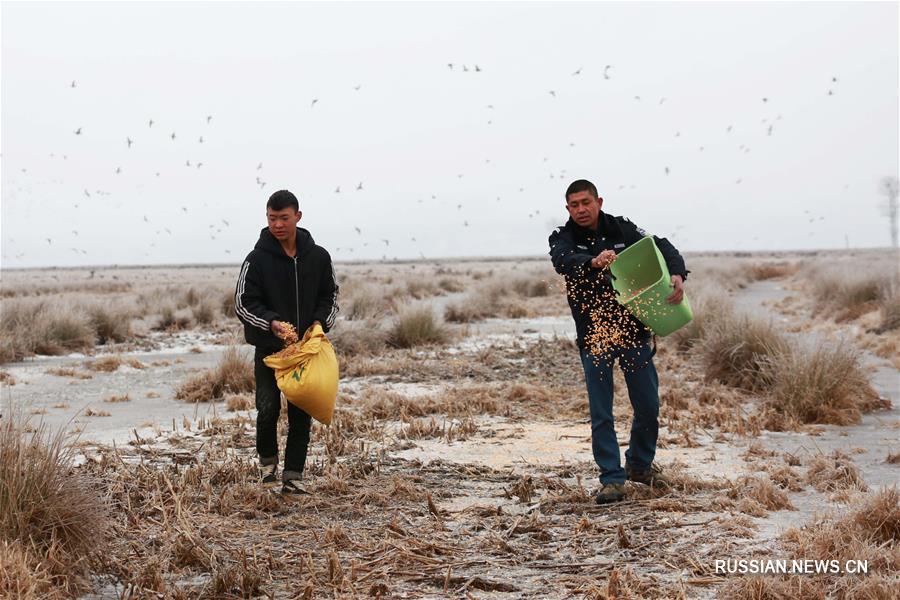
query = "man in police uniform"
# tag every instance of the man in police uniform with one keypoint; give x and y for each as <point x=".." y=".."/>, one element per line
<point x="581" y="251"/>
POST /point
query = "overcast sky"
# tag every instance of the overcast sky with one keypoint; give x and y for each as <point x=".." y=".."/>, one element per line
<point x="764" y="150"/>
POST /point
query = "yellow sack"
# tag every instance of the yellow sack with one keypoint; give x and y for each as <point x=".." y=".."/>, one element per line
<point x="307" y="374"/>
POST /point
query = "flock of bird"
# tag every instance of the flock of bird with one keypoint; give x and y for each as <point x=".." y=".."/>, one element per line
<point x="131" y="140"/>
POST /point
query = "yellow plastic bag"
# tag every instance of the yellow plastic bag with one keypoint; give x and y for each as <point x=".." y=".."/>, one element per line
<point x="307" y="374"/>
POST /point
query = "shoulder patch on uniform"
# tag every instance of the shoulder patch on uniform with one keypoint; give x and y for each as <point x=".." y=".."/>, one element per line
<point x="582" y="247"/>
<point x="640" y="231"/>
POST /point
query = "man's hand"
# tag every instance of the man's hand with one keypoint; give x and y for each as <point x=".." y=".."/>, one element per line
<point x="604" y="259"/>
<point x="678" y="294"/>
<point x="284" y="331"/>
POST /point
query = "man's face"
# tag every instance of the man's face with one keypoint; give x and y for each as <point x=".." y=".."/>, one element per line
<point x="584" y="208"/>
<point x="283" y="223"/>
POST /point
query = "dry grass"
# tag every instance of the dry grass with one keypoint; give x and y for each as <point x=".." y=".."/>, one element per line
<point x="869" y="533"/>
<point x="233" y="374"/>
<point x="824" y="384"/>
<point x="111" y="322"/>
<point x="90" y="412"/>
<point x="54" y="526"/>
<point x="115" y="399"/>
<point x="773" y="588"/>
<point x="28" y="327"/>
<point x="833" y="473"/>
<point x="7" y="379"/>
<point x="363" y="303"/>
<point x="108" y="364"/>
<point x="734" y="350"/>
<point x="772" y="270"/>
<point x="236" y="402"/>
<point x="416" y="326"/>
<point x="68" y="372"/>
<point x="355" y="338"/>
<point x="757" y="495"/>
<point x="707" y="307"/>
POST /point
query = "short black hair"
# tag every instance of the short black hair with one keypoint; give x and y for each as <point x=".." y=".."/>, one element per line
<point x="282" y="199"/>
<point x="581" y="185"/>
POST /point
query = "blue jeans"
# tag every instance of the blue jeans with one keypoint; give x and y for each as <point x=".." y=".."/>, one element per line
<point x="643" y="391"/>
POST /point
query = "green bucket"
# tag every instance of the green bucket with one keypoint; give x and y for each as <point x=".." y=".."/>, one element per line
<point x="642" y="283"/>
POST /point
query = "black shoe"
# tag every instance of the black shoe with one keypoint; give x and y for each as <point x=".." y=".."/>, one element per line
<point x="268" y="474"/>
<point x="652" y="476"/>
<point x="293" y="486"/>
<point x="610" y="492"/>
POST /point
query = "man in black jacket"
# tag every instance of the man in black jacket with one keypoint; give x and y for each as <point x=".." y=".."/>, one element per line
<point x="581" y="251"/>
<point x="286" y="280"/>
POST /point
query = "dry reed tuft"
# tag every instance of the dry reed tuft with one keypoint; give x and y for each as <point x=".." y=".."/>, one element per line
<point x="47" y="509"/>
<point x="761" y="491"/>
<point x="359" y="338"/>
<point x="825" y="384"/>
<point x="773" y="588"/>
<point x="735" y="348"/>
<point x="236" y="402"/>
<point x="233" y="374"/>
<point x="417" y="326"/>
<point x="118" y="398"/>
<point x="869" y="533"/>
<point x="68" y="372"/>
<point x="834" y="473"/>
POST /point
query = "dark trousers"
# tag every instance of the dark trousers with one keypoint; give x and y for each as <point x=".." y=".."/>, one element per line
<point x="268" y="407"/>
<point x="643" y="391"/>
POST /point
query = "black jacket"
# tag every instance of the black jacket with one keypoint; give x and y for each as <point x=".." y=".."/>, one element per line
<point x="273" y="286"/>
<point x="600" y="321"/>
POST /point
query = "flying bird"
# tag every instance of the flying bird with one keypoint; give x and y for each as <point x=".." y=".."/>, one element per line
<point x="356" y="87"/>
<point x="259" y="166"/>
<point x="358" y="230"/>
<point x="578" y="72"/>
<point x="129" y="141"/>
<point x="78" y="131"/>
<point x="150" y="123"/>
<point x="173" y="136"/>
<point x="606" y="71"/>
<point x="313" y="103"/>
<point x="359" y="187"/>
<point x="477" y="69"/>
<point x="73" y="83"/>
<point x="667" y="170"/>
<point x="201" y="139"/>
<point x="552" y="93"/>
<point x="208" y="119"/>
<point x="450" y="66"/>
<point x="118" y="170"/>
<point x="337" y="190"/>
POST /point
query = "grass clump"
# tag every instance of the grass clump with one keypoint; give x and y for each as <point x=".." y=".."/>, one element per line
<point x="821" y="384"/>
<point x="735" y="349"/>
<point x="233" y="374"/>
<point x="416" y="326"/>
<point x="51" y="518"/>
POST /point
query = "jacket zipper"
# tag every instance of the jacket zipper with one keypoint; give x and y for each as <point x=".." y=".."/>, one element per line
<point x="297" y="292"/>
